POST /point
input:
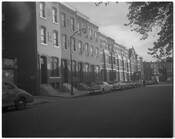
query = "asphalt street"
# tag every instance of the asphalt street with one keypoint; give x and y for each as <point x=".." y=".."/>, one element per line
<point x="137" y="112"/>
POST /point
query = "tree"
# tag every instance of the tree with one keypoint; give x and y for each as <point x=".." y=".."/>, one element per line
<point x="145" y="16"/>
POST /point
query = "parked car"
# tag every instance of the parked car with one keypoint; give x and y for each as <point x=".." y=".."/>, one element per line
<point x="14" y="96"/>
<point x="133" y="84"/>
<point x="127" y="84"/>
<point x="100" y="87"/>
<point x="169" y="80"/>
<point x="150" y="82"/>
<point x="139" y="83"/>
<point x="116" y="85"/>
<point x="119" y="85"/>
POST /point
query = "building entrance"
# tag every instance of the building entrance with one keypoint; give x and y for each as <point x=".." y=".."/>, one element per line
<point x="80" y="66"/>
<point x="65" y="71"/>
<point x="43" y="70"/>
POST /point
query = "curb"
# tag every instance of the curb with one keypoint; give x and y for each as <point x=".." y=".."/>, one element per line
<point x="62" y="95"/>
<point x="73" y="96"/>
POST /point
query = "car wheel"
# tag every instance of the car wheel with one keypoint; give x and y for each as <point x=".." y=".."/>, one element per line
<point x="110" y="90"/>
<point x="103" y="91"/>
<point x="21" y="103"/>
<point x="4" y="109"/>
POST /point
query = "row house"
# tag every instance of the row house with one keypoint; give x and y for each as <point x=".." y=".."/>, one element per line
<point x="48" y="44"/>
<point x="84" y="46"/>
<point x="49" y="39"/>
<point x="163" y="69"/>
<point x="31" y="32"/>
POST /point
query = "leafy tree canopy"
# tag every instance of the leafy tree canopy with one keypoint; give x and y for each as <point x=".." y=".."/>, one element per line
<point x="145" y="16"/>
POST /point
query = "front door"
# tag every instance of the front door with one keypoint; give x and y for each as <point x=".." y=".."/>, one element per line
<point x="80" y="72"/>
<point x="65" y="71"/>
<point x="43" y="70"/>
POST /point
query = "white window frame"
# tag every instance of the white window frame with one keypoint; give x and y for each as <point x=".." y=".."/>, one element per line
<point x="63" y="19"/>
<point x="78" y="28"/>
<point x="43" y="35"/>
<point x="73" y="43"/>
<point x="65" y="41"/>
<point x="55" y="38"/>
<point x="42" y="10"/>
<point x="72" y="24"/>
<point x="80" y="47"/>
<point x="90" y="33"/>
<point x="54" y="15"/>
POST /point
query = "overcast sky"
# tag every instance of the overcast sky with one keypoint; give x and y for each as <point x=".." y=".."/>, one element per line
<point x="111" y="20"/>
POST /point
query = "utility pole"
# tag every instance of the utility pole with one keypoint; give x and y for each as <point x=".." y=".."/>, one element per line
<point x="72" y="93"/>
<point x="104" y="65"/>
<point x="112" y="62"/>
<point x="71" y="78"/>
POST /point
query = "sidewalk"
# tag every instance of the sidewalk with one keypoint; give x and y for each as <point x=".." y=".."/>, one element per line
<point x="41" y="99"/>
<point x="68" y="94"/>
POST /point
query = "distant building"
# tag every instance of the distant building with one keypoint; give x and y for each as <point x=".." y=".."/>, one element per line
<point x="163" y="69"/>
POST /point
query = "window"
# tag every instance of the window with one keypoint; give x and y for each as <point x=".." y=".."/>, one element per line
<point x="63" y="19"/>
<point x="43" y="35"/>
<point x="87" y="49"/>
<point x="54" y="15"/>
<point x="80" y="47"/>
<point x="109" y="47"/>
<point x="42" y="9"/>
<point x="110" y="62"/>
<point x="55" y="38"/>
<point x="72" y="24"/>
<point x="73" y="44"/>
<point x="85" y="27"/>
<point x="74" y="68"/>
<point x="79" y="27"/>
<point x="97" y="51"/>
<point x="96" y="39"/>
<point x="91" y="50"/>
<point x="54" y="67"/>
<point x="90" y="33"/>
<point x="64" y="37"/>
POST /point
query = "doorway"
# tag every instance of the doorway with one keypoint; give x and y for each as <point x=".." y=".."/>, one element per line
<point x="65" y="71"/>
<point x="43" y="70"/>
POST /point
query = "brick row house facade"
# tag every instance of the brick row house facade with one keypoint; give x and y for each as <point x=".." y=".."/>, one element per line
<point x="162" y="69"/>
<point x="45" y="36"/>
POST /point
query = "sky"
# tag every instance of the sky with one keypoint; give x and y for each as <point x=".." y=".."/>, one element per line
<point x="111" y="20"/>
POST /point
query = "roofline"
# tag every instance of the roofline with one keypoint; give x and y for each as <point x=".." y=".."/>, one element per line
<point x="103" y="35"/>
<point x="66" y="4"/>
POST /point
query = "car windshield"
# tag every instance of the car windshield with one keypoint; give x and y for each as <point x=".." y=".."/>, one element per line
<point x="117" y="82"/>
<point x="9" y="86"/>
<point x="105" y="83"/>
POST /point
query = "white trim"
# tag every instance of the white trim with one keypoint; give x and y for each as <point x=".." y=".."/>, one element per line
<point x="55" y="77"/>
<point x="43" y="17"/>
<point x="55" y="22"/>
<point x="45" y="44"/>
<point x="56" y="46"/>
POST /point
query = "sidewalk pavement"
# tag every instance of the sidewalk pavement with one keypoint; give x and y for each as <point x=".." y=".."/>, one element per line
<point x="41" y="99"/>
<point x="45" y="99"/>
